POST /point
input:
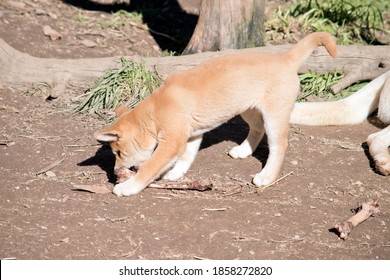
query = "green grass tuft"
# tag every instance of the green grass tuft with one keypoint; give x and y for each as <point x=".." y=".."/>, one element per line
<point x="317" y="87"/>
<point x="127" y="85"/>
<point x="351" y="21"/>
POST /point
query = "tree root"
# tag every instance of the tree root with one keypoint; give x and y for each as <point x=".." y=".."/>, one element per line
<point x="366" y="210"/>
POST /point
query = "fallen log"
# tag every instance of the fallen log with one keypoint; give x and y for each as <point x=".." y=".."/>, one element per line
<point x="19" y="69"/>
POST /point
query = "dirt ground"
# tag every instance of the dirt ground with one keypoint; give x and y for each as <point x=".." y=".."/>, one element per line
<point x="328" y="170"/>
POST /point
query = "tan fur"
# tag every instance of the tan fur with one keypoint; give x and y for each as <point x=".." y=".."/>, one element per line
<point x="166" y="128"/>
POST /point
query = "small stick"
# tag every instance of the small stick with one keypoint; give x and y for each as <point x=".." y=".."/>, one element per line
<point x="214" y="209"/>
<point x="278" y="180"/>
<point x="124" y="174"/>
<point x="49" y="167"/>
<point x="81" y="145"/>
<point x="188" y="186"/>
<point x="7" y="143"/>
<point x="366" y="210"/>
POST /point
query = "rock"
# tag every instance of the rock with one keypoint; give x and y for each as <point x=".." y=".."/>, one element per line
<point x="50" y="174"/>
<point x="88" y="43"/>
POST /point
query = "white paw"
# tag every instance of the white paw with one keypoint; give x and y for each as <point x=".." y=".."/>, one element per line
<point x="173" y="175"/>
<point x="263" y="179"/>
<point x="240" y="152"/>
<point x="382" y="163"/>
<point x="127" y="188"/>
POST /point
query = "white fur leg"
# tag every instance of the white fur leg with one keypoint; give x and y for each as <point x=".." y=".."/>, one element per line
<point x="378" y="146"/>
<point x="256" y="133"/>
<point x="271" y="170"/>
<point x="277" y="135"/>
<point x="127" y="188"/>
<point x="264" y="178"/>
<point x="185" y="161"/>
<point x="242" y="151"/>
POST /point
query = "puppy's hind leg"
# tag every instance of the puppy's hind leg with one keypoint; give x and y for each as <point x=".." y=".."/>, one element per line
<point x="277" y="128"/>
<point x="256" y="132"/>
<point x="185" y="160"/>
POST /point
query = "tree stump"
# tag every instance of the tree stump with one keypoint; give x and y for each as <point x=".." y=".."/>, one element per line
<point x="228" y="24"/>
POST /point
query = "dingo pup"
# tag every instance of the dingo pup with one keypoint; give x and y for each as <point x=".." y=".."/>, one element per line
<point x="162" y="135"/>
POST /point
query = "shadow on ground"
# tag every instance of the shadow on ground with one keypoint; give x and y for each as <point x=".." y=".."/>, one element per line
<point x="172" y="26"/>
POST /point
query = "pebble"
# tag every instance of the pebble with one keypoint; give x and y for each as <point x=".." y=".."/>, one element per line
<point x="88" y="43"/>
<point x="50" y="174"/>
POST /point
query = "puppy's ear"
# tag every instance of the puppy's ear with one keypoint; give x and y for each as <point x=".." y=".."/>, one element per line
<point x="119" y="111"/>
<point x="107" y="136"/>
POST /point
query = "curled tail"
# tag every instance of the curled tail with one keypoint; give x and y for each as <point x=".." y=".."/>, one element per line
<point x="303" y="49"/>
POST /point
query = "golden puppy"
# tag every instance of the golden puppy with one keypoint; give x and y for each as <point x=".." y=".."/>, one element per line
<point x="163" y="133"/>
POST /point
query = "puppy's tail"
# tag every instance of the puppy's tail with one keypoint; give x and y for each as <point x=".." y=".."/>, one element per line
<point x="303" y="49"/>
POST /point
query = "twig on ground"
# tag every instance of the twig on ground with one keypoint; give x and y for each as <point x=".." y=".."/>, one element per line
<point x="242" y="182"/>
<point x="124" y="174"/>
<point x="92" y="188"/>
<point x="81" y="145"/>
<point x="195" y="185"/>
<point x="215" y="209"/>
<point x="278" y="180"/>
<point x="49" y="167"/>
<point x="200" y="258"/>
<point x="7" y="143"/>
<point x="285" y="241"/>
<point x="246" y="239"/>
<point x="366" y="210"/>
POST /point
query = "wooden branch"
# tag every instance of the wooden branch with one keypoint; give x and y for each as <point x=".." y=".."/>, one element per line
<point x="354" y="74"/>
<point x="19" y="69"/>
<point x="123" y="174"/>
<point x="193" y="186"/>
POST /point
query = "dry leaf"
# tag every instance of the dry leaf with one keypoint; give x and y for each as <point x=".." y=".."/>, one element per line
<point x="92" y="188"/>
<point x="53" y="34"/>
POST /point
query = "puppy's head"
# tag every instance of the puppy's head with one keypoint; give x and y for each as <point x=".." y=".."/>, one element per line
<point x="131" y="144"/>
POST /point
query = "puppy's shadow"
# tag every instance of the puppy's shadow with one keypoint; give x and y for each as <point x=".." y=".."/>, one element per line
<point x="105" y="159"/>
<point x="369" y="158"/>
<point x="235" y="130"/>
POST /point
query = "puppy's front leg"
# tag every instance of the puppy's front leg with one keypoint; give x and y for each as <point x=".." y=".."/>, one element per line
<point x="185" y="160"/>
<point x="163" y="157"/>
